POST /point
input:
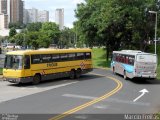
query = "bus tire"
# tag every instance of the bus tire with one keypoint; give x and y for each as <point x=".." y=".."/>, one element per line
<point x="113" y="70"/>
<point x="72" y="74"/>
<point x="124" y="75"/>
<point x="78" y="72"/>
<point x="36" y="79"/>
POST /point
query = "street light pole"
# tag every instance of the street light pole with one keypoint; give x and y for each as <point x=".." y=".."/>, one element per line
<point x="155" y="37"/>
<point x="76" y="37"/>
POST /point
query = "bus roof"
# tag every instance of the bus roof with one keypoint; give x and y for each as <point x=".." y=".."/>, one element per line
<point x="132" y="52"/>
<point x="47" y="51"/>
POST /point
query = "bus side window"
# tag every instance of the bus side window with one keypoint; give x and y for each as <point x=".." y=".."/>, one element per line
<point x="88" y="55"/>
<point x="55" y="58"/>
<point x="126" y="59"/>
<point x="27" y="62"/>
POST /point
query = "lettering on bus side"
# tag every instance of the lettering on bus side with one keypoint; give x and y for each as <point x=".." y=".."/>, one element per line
<point x="51" y="64"/>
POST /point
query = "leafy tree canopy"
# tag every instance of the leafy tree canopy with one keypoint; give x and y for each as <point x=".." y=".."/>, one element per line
<point x="116" y="24"/>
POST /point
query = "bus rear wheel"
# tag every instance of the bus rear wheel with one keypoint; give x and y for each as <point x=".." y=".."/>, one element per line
<point x="113" y="70"/>
<point x="72" y="74"/>
<point x="36" y="79"/>
<point x="78" y="73"/>
<point x="124" y="75"/>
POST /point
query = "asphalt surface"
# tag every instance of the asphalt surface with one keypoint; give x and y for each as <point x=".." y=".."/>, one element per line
<point x="51" y="99"/>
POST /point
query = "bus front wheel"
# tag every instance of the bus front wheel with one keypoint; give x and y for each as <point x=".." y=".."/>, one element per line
<point x="36" y="79"/>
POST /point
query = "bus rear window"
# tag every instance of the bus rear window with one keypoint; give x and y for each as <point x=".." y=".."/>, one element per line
<point x="147" y="58"/>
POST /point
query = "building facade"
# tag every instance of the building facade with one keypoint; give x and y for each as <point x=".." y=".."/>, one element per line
<point x="3" y="6"/>
<point x="31" y="15"/>
<point x="59" y="18"/>
<point x="43" y="16"/>
<point x="25" y="16"/>
<point x="3" y="14"/>
<point x="34" y="15"/>
<point x="16" y="11"/>
<point x="3" y="21"/>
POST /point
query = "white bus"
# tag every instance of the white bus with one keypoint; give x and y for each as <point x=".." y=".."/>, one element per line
<point x="132" y="63"/>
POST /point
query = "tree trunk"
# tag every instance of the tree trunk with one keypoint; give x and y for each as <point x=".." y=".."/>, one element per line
<point x="107" y="52"/>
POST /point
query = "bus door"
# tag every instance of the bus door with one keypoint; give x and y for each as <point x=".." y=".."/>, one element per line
<point x="27" y="70"/>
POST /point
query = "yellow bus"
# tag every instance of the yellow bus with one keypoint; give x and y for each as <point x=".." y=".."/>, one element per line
<point x="44" y="64"/>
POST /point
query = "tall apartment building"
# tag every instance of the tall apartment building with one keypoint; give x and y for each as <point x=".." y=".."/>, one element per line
<point x="16" y="11"/>
<point x="8" y="10"/>
<point x="3" y="21"/>
<point x="25" y="16"/>
<point x="34" y="15"/>
<point x="59" y="18"/>
<point x="43" y="16"/>
<point x="3" y="6"/>
<point x="3" y="14"/>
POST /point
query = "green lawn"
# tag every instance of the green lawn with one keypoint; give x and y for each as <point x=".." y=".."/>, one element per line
<point x="1" y="70"/>
<point x="99" y="58"/>
<point x="158" y="72"/>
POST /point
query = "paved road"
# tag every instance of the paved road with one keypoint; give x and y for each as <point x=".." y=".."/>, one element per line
<point x="91" y="97"/>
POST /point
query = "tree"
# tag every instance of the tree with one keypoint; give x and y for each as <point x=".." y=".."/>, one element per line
<point x="67" y="38"/>
<point x="51" y="29"/>
<point x="115" y="24"/>
<point x="37" y="40"/>
<point x="34" y="26"/>
<point x="32" y="39"/>
<point x="17" y="25"/>
<point x="19" y="39"/>
<point x="12" y="32"/>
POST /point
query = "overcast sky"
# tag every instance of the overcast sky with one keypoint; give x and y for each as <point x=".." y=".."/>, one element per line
<point x="51" y="5"/>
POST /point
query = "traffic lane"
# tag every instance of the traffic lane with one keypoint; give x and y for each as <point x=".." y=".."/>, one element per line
<point x="54" y="101"/>
<point x="130" y="91"/>
<point x="148" y="103"/>
<point x="11" y="91"/>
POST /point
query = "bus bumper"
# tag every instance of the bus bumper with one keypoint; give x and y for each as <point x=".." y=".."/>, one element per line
<point x="19" y="80"/>
<point x="146" y="76"/>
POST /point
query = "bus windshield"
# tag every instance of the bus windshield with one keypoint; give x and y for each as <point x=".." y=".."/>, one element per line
<point x="13" y="62"/>
<point x="147" y="58"/>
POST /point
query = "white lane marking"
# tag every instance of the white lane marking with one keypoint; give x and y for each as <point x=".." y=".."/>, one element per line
<point x="143" y="91"/>
<point x="82" y="117"/>
<point x="101" y="106"/>
<point x="47" y="88"/>
<point x="108" y="100"/>
<point x="21" y="92"/>
<point x="79" y="96"/>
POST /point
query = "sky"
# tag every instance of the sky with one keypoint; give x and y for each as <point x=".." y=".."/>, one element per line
<point x="51" y="5"/>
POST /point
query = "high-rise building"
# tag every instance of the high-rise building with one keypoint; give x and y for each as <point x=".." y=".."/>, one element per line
<point x="25" y="16"/>
<point x="16" y="11"/>
<point x="8" y="10"/>
<point x="59" y="18"/>
<point x="32" y="15"/>
<point x="43" y="16"/>
<point x="3" y="14"/>
<point x="3" y="21"/>
<point x="3" y="6"/>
